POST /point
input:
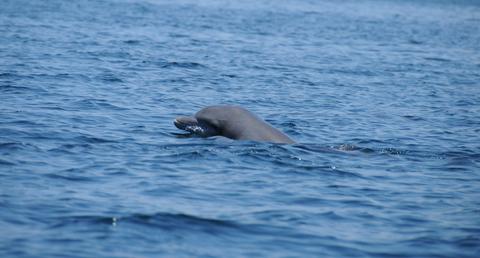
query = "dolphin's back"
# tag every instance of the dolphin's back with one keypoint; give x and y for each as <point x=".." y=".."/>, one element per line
<point x="238" y="123"/>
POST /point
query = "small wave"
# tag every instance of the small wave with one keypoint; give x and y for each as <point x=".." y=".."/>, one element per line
<point x="415" y="42"/>
<point x="110" y="78"/>
<point x="72" y="178"/>
<point x="17" y="146"/>
<point x="392" y="151"/>
<point x="11" y="88"/>
<point x="361" y="203"/>
<point x="96" y="103"/>
<point x="165" y="221"/>
<point x="351" y="147"/>
<point x="437" y="59"/>
<point x="332" y="215"/>
<point x="25" y="123"/>
<point x="178" y="221"/>
<point x="177" y="35"/>
<point x="464" y="158"/>
<point x="469" y="241"/>
<point x="460" y="160"/>
<point x="462" y="154"/>
<point x="92" y="139"/>
<point x="186" y="65"/>
<point x="315" y="148"/>
<point x="425" y="241"/>
<point x="414" y="118"/>
<point x="75" y="145"/>
<point x="59" y="222"/>
<point x="132" y="42"/>
<point x="347" y="147"/>
<point x="7" y="75"/>
<point x="342" y="173"/>
<point x="6" y="163"/>
<point x="184" y="135"/>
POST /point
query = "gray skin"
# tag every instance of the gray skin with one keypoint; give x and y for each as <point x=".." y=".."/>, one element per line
<point x="232" y="122"/>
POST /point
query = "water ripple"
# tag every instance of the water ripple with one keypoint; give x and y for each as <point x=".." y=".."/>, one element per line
<point x="380" y="95"/>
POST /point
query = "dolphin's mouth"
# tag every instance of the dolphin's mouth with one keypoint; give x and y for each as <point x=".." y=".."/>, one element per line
<point x="189" y="124"/>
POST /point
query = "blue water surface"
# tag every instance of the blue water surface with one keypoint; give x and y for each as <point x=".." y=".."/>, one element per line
<point x="382" y="96"/>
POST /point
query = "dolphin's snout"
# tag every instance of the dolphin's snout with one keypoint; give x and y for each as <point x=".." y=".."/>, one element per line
<point x="182" y="122"/>
<point x="178" y="124"/>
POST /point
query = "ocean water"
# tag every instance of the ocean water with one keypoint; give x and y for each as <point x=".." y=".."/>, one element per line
<point x="382" y="96"/>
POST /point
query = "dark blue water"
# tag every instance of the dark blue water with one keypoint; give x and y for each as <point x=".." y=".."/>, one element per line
<point x="383" y="98"/>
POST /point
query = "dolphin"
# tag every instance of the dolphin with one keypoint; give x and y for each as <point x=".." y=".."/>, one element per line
<point x="233" y="122"/>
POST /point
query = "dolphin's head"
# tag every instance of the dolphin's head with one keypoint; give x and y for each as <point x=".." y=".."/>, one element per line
<point x="214" y="120"/>
<point x="199" y="127"/>
<point x="233" y="122"/>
